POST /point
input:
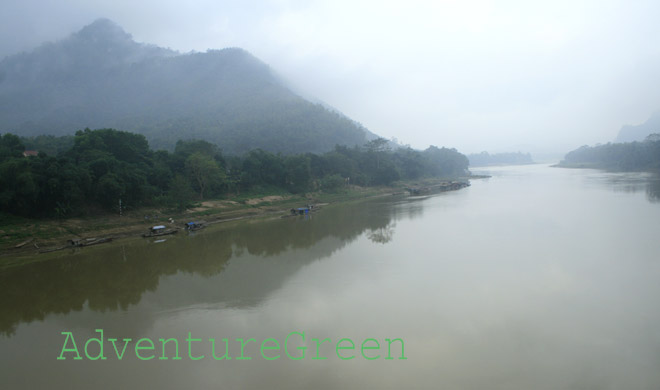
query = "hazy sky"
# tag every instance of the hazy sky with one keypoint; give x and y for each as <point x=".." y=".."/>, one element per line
<point x="471" y="74"/>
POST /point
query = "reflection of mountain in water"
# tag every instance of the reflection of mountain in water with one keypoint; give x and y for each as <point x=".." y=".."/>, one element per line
<point x="235" y="265"/>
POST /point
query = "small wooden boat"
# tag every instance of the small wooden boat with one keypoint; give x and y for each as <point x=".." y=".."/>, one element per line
<point x="300" y="211"/>
<point x="160" y="230"/>
<point x="195" y="225"/>
<point x="304" y="210"/>
<point x="310" y="208"/>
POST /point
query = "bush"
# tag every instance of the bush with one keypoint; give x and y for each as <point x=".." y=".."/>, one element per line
<point x="332" y="183"/>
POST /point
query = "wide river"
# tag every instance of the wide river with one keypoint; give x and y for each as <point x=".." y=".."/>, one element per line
<point x="536" y="278"/>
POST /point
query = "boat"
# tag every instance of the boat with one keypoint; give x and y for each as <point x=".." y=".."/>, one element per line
<point x="300" y="211"/>
<point x="195" y="225"/>
<point x="160" y="230"/>
<point x="304" y="210"/>
<point x="307" y="210"/>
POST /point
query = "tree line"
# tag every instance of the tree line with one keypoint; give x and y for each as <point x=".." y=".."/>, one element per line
<point x="95" y="169"/>
<point x="632" y="156"/>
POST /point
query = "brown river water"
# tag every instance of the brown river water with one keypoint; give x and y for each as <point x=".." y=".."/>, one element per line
<point x="536" y="278"/>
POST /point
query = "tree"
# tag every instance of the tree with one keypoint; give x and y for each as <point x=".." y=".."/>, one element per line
<point x="298" y="173"/>
<point x="10" y="146"/>
<point x="110" y="189"/>
<point x="377" y="146"/>
<point x="204" y="172"/>
<point x="180" y="192"/>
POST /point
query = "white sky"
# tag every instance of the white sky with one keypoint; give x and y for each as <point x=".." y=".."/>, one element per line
<point x="471" y="74"/>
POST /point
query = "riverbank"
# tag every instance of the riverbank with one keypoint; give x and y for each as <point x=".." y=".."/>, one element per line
<point x="21" y="236"/>
<point x="604" y="167"/>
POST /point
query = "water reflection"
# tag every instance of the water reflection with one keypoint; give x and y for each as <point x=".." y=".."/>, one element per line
<point x="628" y="182"/>
<point x="117" y="276"/>
<point x="382" y="235"/>
<point x="653" y="191"/>
<point x="537" y="278"/>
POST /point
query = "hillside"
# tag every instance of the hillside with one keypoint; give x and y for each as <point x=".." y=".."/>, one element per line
<point x="639" y="132"/>
<point x="100" y="78"/>
<point x="628" y="156"/>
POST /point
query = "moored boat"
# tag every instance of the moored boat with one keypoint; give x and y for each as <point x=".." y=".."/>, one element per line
<point x="195" y="225"/>
<point x="160" y="230"/>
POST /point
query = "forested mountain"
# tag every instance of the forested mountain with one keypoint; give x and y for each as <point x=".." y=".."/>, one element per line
<point x="99" y="78"/>
<point x="639" y="132"/>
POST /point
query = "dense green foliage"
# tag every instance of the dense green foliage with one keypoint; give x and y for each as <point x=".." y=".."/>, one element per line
<point x="102" y="167"/>
<point x="633" y="156"/>
<point x="100" y="78"/>
<point x="48" y="144"/>
<point x="485" y="158"/>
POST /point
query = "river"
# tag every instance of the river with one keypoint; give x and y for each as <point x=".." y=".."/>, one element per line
<point x="535" y="278"/>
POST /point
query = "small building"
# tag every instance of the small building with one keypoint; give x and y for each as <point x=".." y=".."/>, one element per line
<point x="30" y="153"/>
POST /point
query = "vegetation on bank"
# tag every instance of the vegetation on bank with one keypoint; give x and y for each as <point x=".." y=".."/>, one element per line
<point x="44" y="233"/>
<point x="632" y="156"/>
<point x="103" y="170"/>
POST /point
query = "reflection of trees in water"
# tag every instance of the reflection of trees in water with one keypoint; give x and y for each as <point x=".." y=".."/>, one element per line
<point x="116" y="276"/>
<point x="631" y="183"/>
<point x="109" y="278"/>
<point x="382" y="235"/>
<point x="626" y="184"/>
<point x="653" y="191"/>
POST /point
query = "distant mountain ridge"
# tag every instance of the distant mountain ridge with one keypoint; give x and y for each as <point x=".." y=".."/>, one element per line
<point x="100" y="78"/>
<point x="631" y="133"/>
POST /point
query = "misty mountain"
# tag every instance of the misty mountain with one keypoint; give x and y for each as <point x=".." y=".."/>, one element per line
<point x="100" y="78"/>
<point x="639" y="132"/>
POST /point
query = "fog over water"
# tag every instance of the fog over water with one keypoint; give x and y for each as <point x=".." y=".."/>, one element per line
<point x="537" y="278"/>
<point x="475" y="75"/>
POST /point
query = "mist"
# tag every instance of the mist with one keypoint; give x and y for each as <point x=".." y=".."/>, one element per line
<point x="474" y="75"/>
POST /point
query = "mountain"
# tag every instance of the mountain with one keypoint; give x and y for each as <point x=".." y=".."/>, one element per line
<point x="640" y="132"/>
<point x="100" y="78"/>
